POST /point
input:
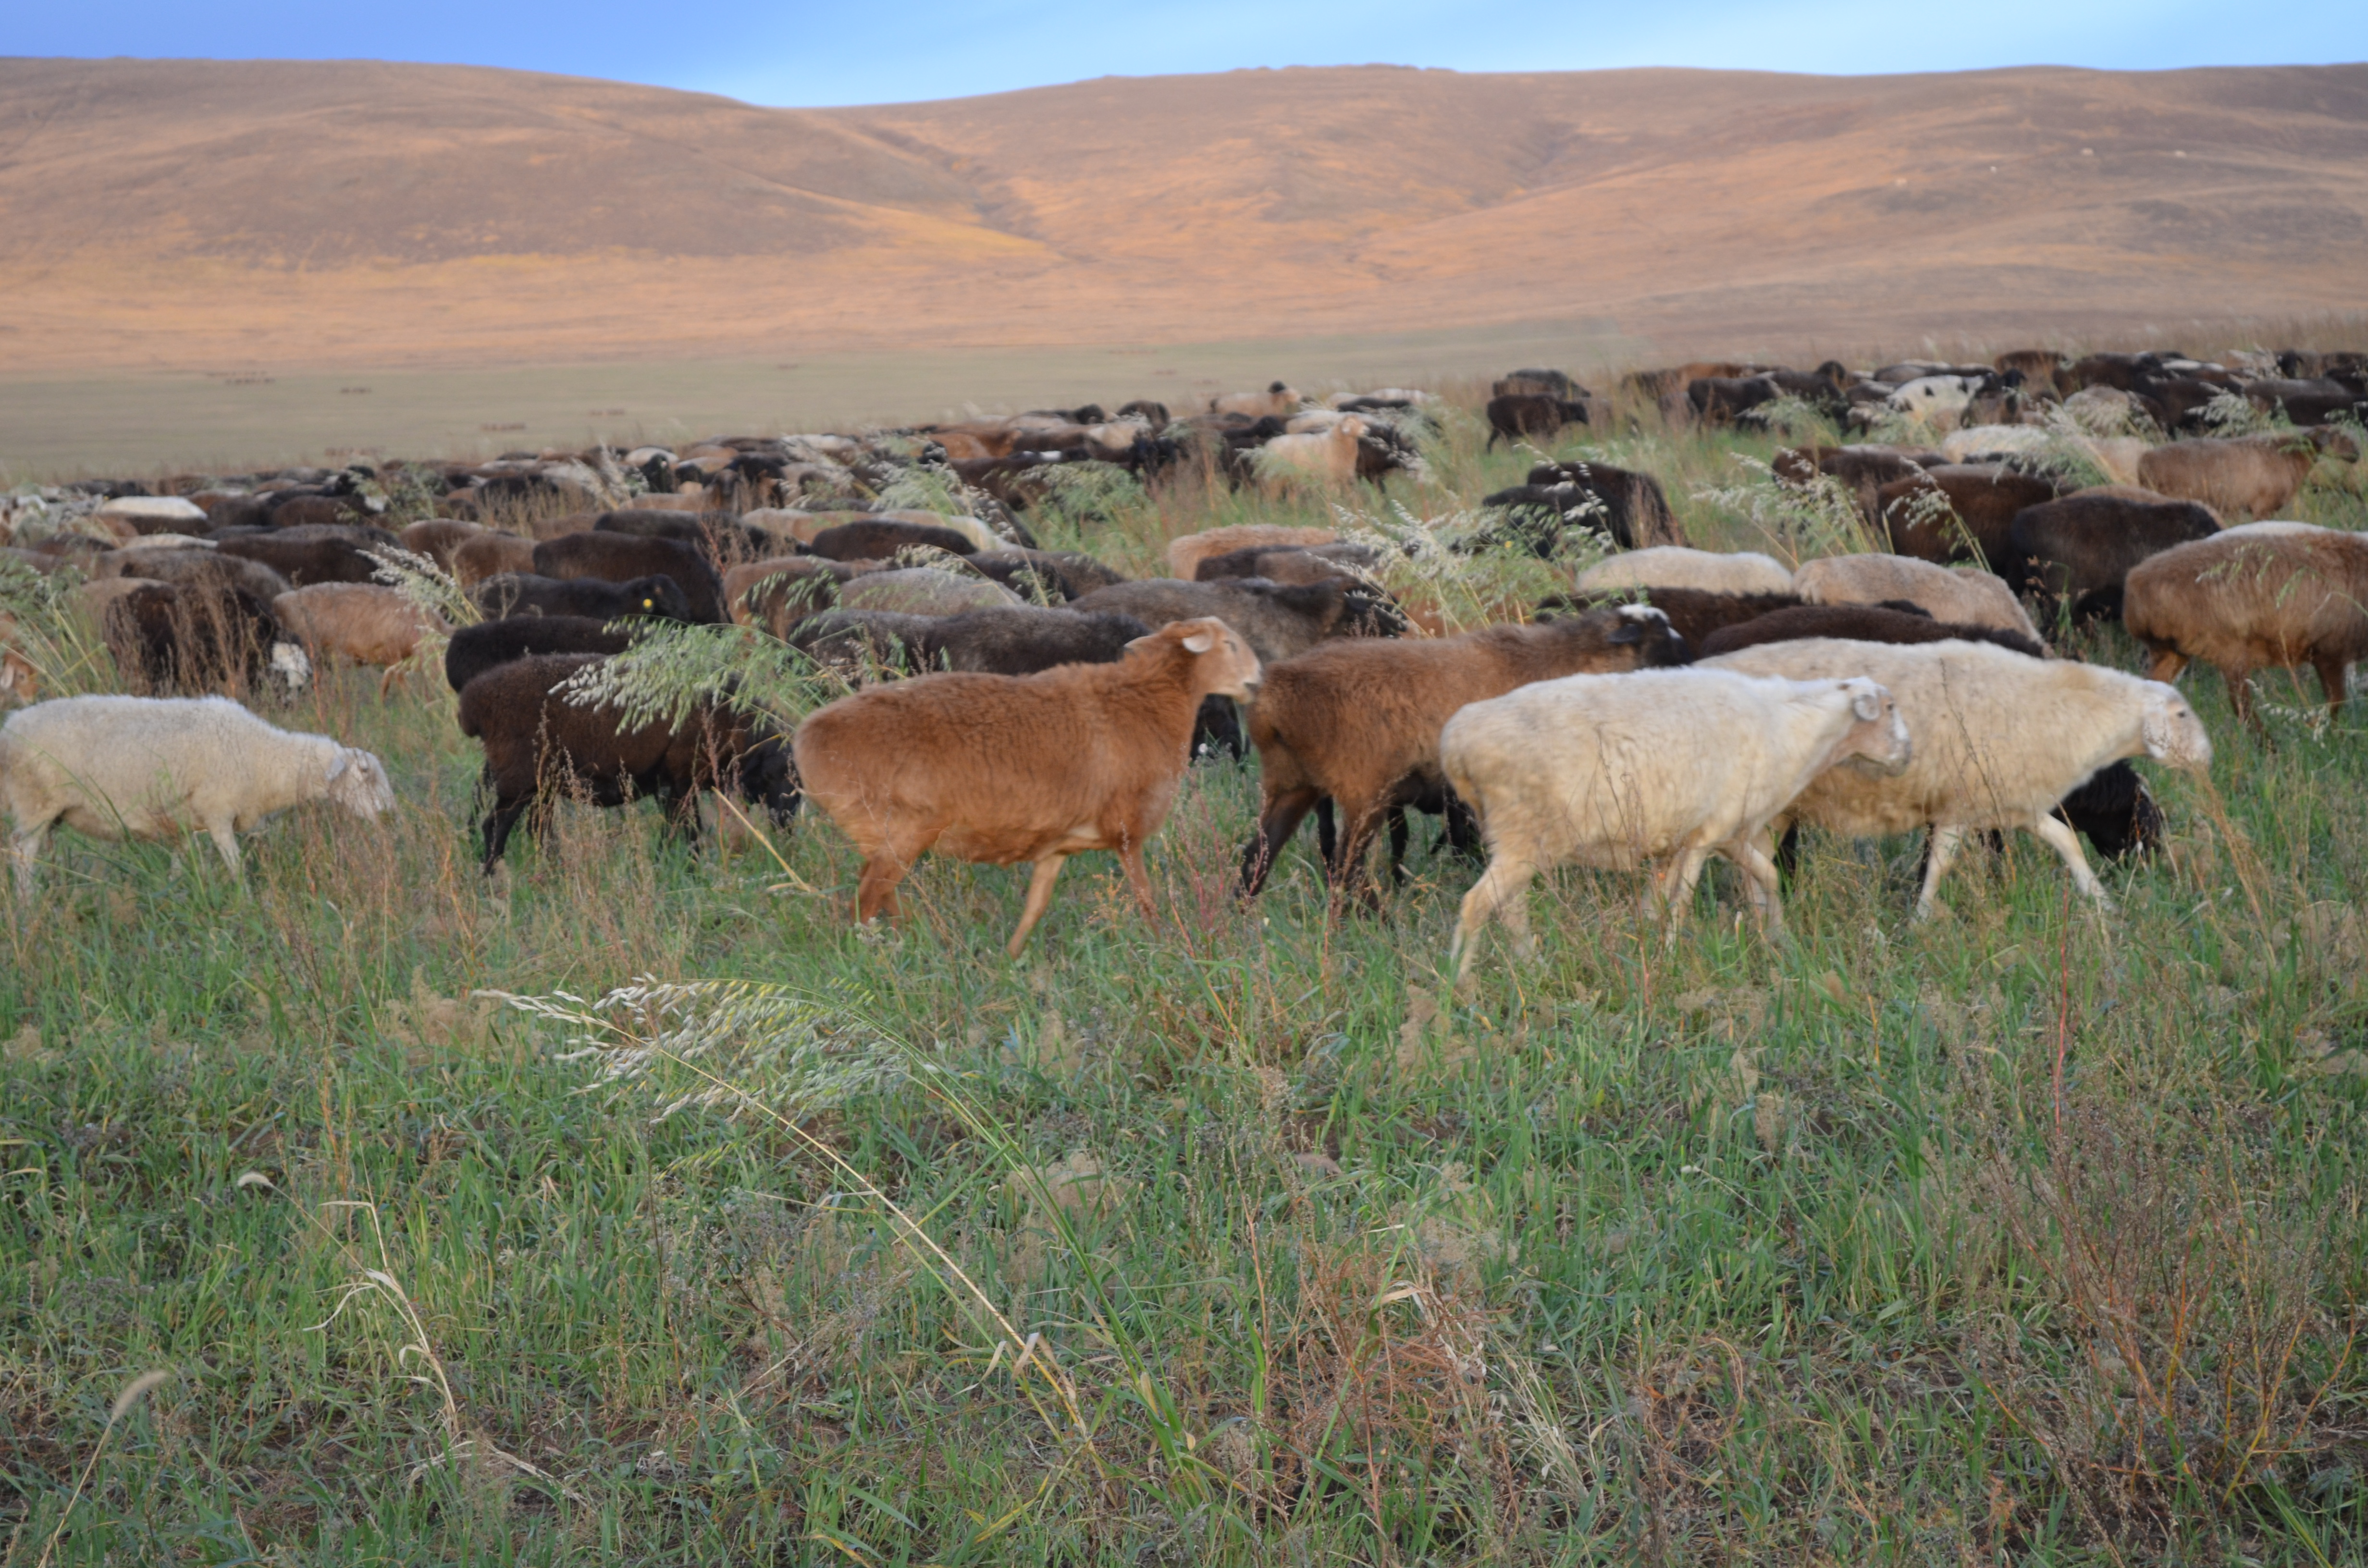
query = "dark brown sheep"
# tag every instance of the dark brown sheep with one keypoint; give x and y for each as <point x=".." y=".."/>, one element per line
<point x="1007" y="768"/>
<point x="315" y="554"/>
<point x="194" y="637"/>
<point x="2076" y="551"/>
<point x="625" y="558"/>
<point x="1635" y="510"/>
<point x="1959" y="511"/>
<point x="537" y="743"/>
<point x="1358" y="722"/>
<point x="473" y="649"/>
<point x="514" y="594"/>
<point x="1522" y="415"/>
<point x="1862" y="623"/>
<point x="778" y="591"/>
<point x="1278" y="622"/>
<point x="1694" y="613"/>
<point x="2266" y="595"/>
<point x="882" y="540"/>
<point x="1060" y="573"/>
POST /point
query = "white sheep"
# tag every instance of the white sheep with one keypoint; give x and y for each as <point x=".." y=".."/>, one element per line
<point x="1939" y="401"/>
<point x="1973" y="441"/>
<point x="1965" y="596"/>
<point x="2000" y="739"/>
<point x="1675" y="566"/>
<point x="1612" y="770"/>
<point x="1325" y="456"/>
<point x="145" y="767"/>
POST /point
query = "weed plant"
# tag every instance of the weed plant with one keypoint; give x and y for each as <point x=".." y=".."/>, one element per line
<point x="634" y="1207"/>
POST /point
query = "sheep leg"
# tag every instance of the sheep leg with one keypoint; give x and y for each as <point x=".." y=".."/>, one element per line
<point x="499" y="822"/>
<point x="1399" y="833"/>
<point x="24" y="852"/>
<point x="1284" y="812"/>
<point x="1673" y="890"/>
<point x="2331" y="680"/>
<point x="2067" y="845"/>
<point x="1138" y="877"/>
<point x="2167" y="665"/>
<point x="1761" y="878"/>
<point x="875" y="890"/>
<point x="1502" y="889"/>
<point x="1349" y="870"/>
<point x="224" y="833"/>
<point x="1039" y="897"/>
<point x="1940" y="851"/>
<point x="2241" y="698"/>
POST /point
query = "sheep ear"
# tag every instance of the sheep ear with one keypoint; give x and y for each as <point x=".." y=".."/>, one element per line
<point x="1867" y="706"/>
<point x="338" y="763"/>
<point x="1200" y="643"/>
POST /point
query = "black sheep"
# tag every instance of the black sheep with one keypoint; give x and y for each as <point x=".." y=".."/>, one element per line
<point x="1063" y="574"/>
<point x="1022" y="640"/>
<point x="879" y="538"/>
<point x="523" y="593"/>
<point x="2074" y="553"/>
<point x="1517" y="415"/>
<point x="721" y="537"/>
<point x="626" y="558"/>
<point x="537" y="742"/>
<point x="1861" y="623"/>
<point x="476" y="649"/>
<point x="314" y="552"/>
<point x="194" y="637"/>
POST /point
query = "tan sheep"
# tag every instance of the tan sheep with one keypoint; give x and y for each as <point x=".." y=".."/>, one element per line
<point x="2266" y="595"/>
<point x="1278" y="402"/>
<point x="2251" y="476"/>
<point x="491" y="555"/>
<point x="1675" y="566"/>
<point x="1186" y="552"/>
<point x="1325" y="457"/>
<point x="367" y="622"/>
<point x="1965" y="595"/>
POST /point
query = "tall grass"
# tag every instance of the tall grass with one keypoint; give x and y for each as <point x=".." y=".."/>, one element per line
<point x="1231" y="1236"/>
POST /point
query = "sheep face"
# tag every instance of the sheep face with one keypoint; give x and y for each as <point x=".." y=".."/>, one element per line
<point x="2171" y="730"/>
<point x="768" y="777"/>
<point x="1878" y="743"/>
<point x="357" y="781"/>
<point x="1223" y="665"/>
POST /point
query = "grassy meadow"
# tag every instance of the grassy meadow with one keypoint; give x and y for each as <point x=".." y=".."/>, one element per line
<point x="2028" y="1235"/>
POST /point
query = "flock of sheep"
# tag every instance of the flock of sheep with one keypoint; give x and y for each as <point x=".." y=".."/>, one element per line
<point x="1011" y="705"/>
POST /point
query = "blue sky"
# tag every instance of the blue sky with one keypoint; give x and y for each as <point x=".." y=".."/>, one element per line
<point x="842" y="53"/>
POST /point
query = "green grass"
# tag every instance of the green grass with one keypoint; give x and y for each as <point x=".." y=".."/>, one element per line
<point x="2023" y="1236"/>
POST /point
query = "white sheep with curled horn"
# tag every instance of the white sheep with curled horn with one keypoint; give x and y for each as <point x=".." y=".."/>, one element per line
<point x="115" y="766"/>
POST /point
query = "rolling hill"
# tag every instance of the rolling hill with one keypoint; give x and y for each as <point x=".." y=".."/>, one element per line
<point x="189" y="214"/>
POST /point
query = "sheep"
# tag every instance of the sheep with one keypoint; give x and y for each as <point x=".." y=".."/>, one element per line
<point x="1675" y="566"/>
<point x="1297" y="564"/>
<point x="207" y="568"/>
<point x="861" y="645"/>
<point x="624" y="558"/>
<point x="1048" y="574"/>
<point x="2075" y="552"/>
<point x="525" y="594"/>
<point x="882" y="540"/>
<point x="1978" y="441"/>
<point x="153" y="514"/>
<point x="1186" y="552"/>
<point x="1278" y="402"/>
<point x="1958" y="511"/>
<point x="1026" y="639"/>
<point x="487" y="555"/>
<point x="537" y="742"/>
<point x="1898" y="624"/>
<point x="2248" y="476"/>
<point x="1611" y="771"/>
<point x="368" y="623"/>
<point x="981" y="537"/>
<point x="1325" y="457"/>
<point x="1517" y="416"/>
<point x="473" y="649"/>
<point x="314" y="553"/>
<point x="1694" y="613"/>
<point x="113" y="766"/>
<point x="2271" y="594"/>
<point x="1939" y="401"/>
<point x="924" y="590"/>
<point x="1963" y="593"/>
<point x="195" y="636"/>
<point x="1863" y="471"/>
<point x="719" y="535"/>
<point x="438" y="537"/>
<point x="1004" y="769"/>
<point x="1357" y="722"/>
<point x="774" y="592"/>
<point x="1633" y="508"/>
<point x="1278" y="622"/>
<point x="2000" y="740"/>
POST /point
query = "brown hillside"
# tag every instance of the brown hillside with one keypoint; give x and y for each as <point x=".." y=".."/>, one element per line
<point x="196" y="214"/>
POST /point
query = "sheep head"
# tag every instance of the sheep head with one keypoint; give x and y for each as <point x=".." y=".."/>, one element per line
<point x="357" y="780"/>
<point x="1877" y="741"/>
<point x="1222" y="664"/>
<point x="2171" y="732"/>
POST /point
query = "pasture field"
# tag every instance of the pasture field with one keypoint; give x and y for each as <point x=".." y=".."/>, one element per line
<point x="2026" y="1235"/>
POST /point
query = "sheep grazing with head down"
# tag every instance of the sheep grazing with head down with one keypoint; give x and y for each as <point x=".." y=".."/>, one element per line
<point x="2266" y="595"/>
<point x="2000" y="740"/>
<point x="366" y="622"/>
<point x="1007" y="768"/>
<point x="1357" y="722"/>
<point x="1962" y="594"/>
<point x="1613" y="771"/>
<point x="150" y="767"/>
<point x="1185" y="552"/>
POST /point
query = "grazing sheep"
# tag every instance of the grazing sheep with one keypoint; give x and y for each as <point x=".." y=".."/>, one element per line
<point x="720" y="537"/>
<point x="438" y="537"/>
<point x="1294" y="564"/>
<point x="1006" y="769"/>
<point x="1612" y="771"/>
<point x="2247" y="476"/>
<point x="1958" y="511"/>
<point x="2000" y="740"/>
<point x="525" y="594"/>
<point x="1278" y="402"/>
<point x="1693" y="614"/>
<point x="626" y="558"/>
<point x="1963" y="593"/>
<point x="2266" y="595"/>
<point x="206" y="567"/>
<point x="538" y="743"/>
<point x="473" y="649"/>
<point x="1634" y="510"/>
<point x="194" y="637"/>
<point x="1675" y="566"/>
<point x="1323" y="457"/>
<point x="367" y="622"/>
<point x="776" y="592"/>
<point x="486" y="554"/>
<point x="882" y="540"/>
<point x="1858" y="622"/>
<point x="1278" y="622"/>
<point x="1186" y="552"/>
<point x="1026" y="639"/>
<point x="146" y="767"/>
<point x="924" y="590"/>
<point x="315" y="554"/>
<point x="861" y="646"/>
<point x="2075" y="552"/>
<point x="1357" y="722"/>
<point x="1863" y="471"/>
<point x="1519" y="416"/>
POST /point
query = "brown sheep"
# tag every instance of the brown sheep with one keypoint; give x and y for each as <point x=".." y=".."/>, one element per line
<point x="1358" y="722"/>
<point x="1961" y="593"/>
<point x="774" y="592"/>
<point x="2252" y="476"/>
<point x="1694" y="613"/>
<point x="2265" y="596"/>
<point x="438" y="537"/>
<point x="367" y="622"/>
<point x="1958" y="511"/>
<point x="1006" y="769"/>
<point x="490" y="554"/>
